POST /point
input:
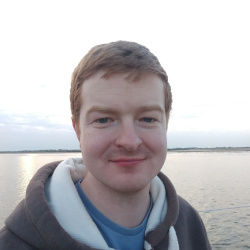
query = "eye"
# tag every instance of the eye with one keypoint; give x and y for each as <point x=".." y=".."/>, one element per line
<point x="148" y="119"/>
<point x="103" y="120"/>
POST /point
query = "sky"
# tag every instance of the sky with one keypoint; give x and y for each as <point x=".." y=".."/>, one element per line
<point x="202" y="45"/>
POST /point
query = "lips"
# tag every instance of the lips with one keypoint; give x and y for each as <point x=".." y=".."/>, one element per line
<point x="128" y="162"/>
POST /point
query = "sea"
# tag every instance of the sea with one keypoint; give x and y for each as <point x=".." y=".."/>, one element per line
<point x="217" y="184"/>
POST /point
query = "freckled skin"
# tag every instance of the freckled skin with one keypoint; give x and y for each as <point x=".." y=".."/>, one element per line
<point x="122" y="132"/>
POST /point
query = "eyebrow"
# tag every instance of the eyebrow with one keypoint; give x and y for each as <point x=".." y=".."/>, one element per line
<point x="147" y="108"/>
<point x="144" y="108"/>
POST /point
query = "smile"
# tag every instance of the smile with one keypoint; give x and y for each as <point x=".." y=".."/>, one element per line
<point x="127" y="162"/>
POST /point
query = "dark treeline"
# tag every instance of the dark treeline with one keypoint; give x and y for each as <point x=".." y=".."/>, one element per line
<point x="43" y="151"/>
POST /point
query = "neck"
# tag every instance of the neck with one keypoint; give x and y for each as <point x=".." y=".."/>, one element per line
<point x="125" y="209"/>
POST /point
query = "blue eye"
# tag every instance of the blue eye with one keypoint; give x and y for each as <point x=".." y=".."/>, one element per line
<point x="147" y="119"/>
<point x="103" y="120"/>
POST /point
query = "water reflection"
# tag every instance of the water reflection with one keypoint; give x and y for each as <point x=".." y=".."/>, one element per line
<point x="16" y="170"/>
<point x="26" y="172"/>
<point x="206" y="180"/>
<point x="211" y="181"/>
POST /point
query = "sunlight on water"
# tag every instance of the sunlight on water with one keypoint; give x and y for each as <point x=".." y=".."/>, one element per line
<point x="26" y="171"/>
<point x="16" y="172"/>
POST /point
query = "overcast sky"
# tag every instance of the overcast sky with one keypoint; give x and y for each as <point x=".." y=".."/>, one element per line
<point x="203" y="45"/>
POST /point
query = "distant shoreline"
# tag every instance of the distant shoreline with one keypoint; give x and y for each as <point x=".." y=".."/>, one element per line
<point x="193" y="149"/>
<point x="217" y="149"/>
<point x="41" y="151"/>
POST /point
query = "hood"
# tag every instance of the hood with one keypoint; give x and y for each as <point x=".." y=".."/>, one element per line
<point x="34" y="220"/>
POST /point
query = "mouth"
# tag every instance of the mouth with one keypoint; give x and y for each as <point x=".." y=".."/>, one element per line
<point x="127" y="162"/>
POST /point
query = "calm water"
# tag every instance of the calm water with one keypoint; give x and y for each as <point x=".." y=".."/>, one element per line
<point x="216" y="184"/>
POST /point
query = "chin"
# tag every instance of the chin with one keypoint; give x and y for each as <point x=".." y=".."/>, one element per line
<point x="131" y="185"/>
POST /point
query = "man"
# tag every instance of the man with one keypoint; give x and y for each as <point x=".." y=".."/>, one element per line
<point x="115" y="197"/>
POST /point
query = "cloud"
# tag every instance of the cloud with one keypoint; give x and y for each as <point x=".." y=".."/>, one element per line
<point x="208" y="139"/>
<point x="207" y="62"/>
<point x="29" y="132"/>
<point x="209" y="117"/>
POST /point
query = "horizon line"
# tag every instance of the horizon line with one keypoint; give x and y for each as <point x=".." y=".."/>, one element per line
<point x="169" y="149"/>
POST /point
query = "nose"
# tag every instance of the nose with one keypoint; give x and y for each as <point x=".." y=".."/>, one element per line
<point x="128" y="137"/>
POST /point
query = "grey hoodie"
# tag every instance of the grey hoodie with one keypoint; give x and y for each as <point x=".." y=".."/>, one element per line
<point x="32" y="225"/>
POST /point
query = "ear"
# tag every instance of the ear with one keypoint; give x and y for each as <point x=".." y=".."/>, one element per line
<point x="76" y="128"/>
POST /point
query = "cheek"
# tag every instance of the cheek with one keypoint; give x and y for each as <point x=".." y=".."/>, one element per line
<point x="157" y="141"/>
<point x="93" y="144"/>
<point x="162" y="149"/>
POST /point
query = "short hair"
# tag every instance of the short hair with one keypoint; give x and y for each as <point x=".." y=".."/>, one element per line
<point x="113" y="58"/>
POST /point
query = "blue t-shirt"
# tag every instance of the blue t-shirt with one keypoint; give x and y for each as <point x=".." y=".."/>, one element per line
<point x="116" y="236"/>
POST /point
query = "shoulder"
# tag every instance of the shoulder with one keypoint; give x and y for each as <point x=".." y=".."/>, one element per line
<point x="8" y="240"/>
<point x="186" y="209"/>
<point x="190" y="229"/>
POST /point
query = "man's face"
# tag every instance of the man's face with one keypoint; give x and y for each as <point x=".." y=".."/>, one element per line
<point x="122" y="131"/>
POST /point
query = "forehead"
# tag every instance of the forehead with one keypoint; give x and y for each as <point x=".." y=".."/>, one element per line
<point x="119" y="90"/>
